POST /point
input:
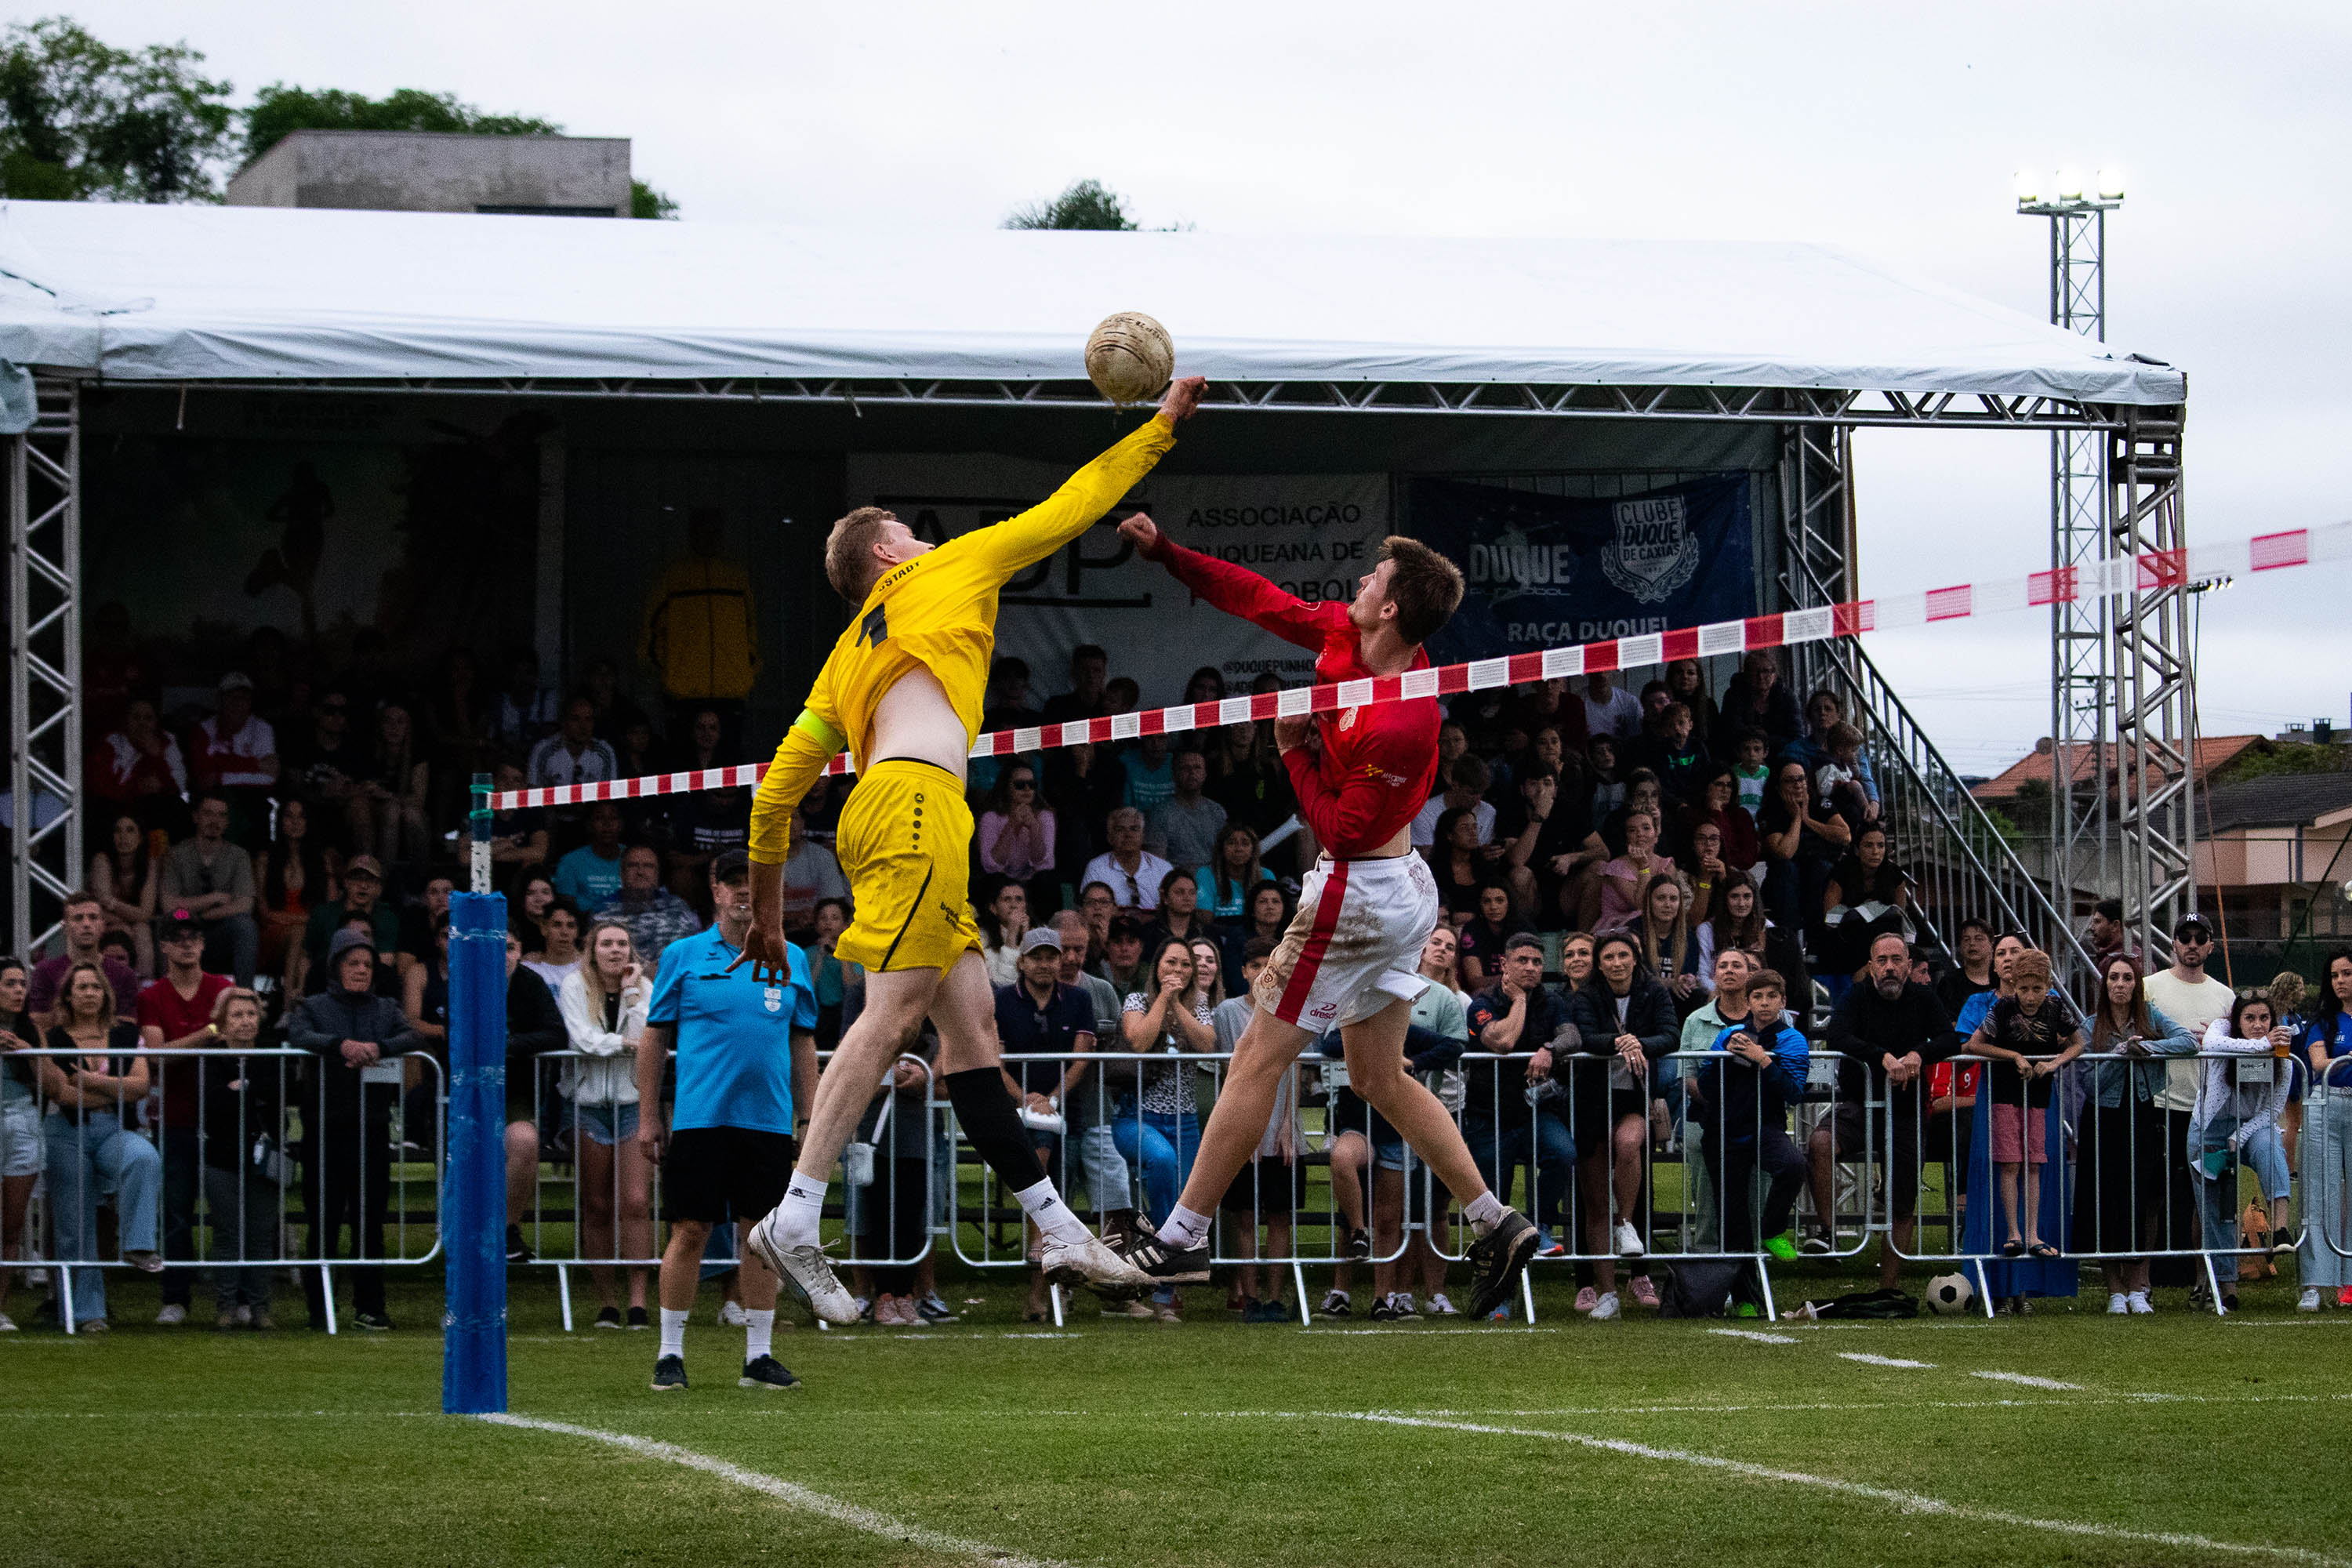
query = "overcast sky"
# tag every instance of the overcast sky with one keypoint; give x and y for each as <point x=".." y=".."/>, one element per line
<point x="1895" y="131"/>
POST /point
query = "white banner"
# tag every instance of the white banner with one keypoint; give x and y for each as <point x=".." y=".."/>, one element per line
<point x="1314" y="535"/>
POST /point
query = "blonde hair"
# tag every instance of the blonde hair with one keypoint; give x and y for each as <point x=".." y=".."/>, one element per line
<point x="849" y="564"/>
<point x="590" y="975"/>
<point x="1681" y="929"/>
<point x="234" y="993"/>
<point x="2287" y="993"/>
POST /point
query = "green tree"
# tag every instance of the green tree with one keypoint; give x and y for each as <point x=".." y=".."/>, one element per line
<point x="646" y="202"/>
<point x="1088" y="203"/>
<point x="83" y="120"/>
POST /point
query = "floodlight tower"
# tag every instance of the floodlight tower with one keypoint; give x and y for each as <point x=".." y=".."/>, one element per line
<point x="2081" y="678"/>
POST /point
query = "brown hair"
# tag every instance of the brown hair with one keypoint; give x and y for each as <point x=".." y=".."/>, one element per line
<point x="1425" y="587"/>
<point x="2032" y="965"/>
<point x="1768" y="980"/>
<point x="65" y="1013"/>
<point x="849" y="564"/>
<point x="2105" y="1029"/>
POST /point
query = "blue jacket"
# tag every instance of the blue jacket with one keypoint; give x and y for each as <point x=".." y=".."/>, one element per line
<point x="1744" y="1099"/>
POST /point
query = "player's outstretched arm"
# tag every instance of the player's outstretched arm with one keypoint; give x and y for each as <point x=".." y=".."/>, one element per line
<point x="1022" y="541"/>
<point x="1236" y="590"/>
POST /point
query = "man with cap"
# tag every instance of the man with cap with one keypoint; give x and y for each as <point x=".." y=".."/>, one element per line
<point x="175" y="1013"/>
<point x="363" y="900"/>
<point x="2192" y="999"/>
<point x="212" y="879"/>
<point x="346" y="1166"/>
<point x="1038" y="1014"/>
<point x="235" y="752"/>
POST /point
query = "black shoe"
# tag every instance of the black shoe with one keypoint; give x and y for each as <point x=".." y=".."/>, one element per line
<point x="766" y="1372"/>
<point x="1359" y="1245"/>
<point x="516" y="1251"/>
<point x="1335" y="1305"/>
<point x="637" y="1318"/>
<point x="1384" y="1310"/>
<point x="1497" y="1260"/>
<point x="669" y="1375"/>
<point x="373" y="1323"/>
<point x="1164" y="1264"/>
<point x="608" y="1318"/>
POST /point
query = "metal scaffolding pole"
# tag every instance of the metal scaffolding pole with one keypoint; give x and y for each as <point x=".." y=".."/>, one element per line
<point x="45" y="735"/>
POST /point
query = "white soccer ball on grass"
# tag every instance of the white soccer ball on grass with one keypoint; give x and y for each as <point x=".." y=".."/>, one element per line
<point x="1949" y="1294"/>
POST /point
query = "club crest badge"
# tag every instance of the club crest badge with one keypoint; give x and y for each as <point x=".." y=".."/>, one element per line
<point x="775" y="997"/>
<point x="1652" y="552"/>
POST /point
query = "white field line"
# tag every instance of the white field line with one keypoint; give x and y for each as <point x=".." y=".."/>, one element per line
<point x="1431" y="1333"/>
<point x="2024" y="1380"/>
<point x="848" y="1514"/>
<point x="1907" y="1502"/>
<point x="1868" y="1360"/>
<point x="1760" y="1337"/>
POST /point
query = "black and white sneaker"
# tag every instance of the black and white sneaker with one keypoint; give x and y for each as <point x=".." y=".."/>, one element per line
<point x="1406" y="1312"/>
<point x="608" y="1318"/>
<point x="1163" y="1264"/>
<point x="637" y="1318"/>
<point x="1497" y="1260"/>
<point x="1335" y="1305"/>
<point x="1816" y="1244"/>
<point x="517" y="1250"/>
<point x="764" y="1371"/>
<point x="669" y="1375"/>
<point x="1359" y="1245"/>
<point x="1384" y="1310"/>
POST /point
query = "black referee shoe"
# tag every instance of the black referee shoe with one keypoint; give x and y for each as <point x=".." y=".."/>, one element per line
<point x="765" y="1371"/>
<point x="669" y="1375"/>
<point x="1497" y="1260"/>
<point x="1166" y="1265"/>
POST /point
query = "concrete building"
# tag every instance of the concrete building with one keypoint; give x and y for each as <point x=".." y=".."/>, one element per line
<point x="425" y="171"/>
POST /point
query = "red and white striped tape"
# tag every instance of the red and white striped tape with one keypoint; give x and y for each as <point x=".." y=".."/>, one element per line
<point x="2123" y="574"/>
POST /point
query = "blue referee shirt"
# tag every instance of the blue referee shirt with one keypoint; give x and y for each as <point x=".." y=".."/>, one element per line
<point x="733" y="1034"/>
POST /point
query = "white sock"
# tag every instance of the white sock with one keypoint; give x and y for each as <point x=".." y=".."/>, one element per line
<point x="757" y="1336"/>
<point x="1483" y="1212"/>
<point x="1185" y="1227"/>
<point x="801" y="1211"/>
<point x="673" y="1331"/>
<point x="1041" y="1202"/>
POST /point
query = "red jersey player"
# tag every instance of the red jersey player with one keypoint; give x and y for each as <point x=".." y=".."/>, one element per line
<point x="1352" y="958"/>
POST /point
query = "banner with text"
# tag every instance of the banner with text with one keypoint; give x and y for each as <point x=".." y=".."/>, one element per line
<point x="1312" y="534"/>
<point x="1546" y="571"/>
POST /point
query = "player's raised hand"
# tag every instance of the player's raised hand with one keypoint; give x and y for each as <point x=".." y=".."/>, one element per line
<point x="1141" y="532"/>
<point x="764" y="949"/>
<point x="1184" y="396"/>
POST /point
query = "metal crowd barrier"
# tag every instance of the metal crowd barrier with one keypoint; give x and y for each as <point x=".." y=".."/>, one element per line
<point x="212" y="1174"/>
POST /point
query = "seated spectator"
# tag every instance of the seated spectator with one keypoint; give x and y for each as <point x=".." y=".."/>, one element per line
<point x="1089" y="667"/>
<point x="603" y="1001"/>
<point x="398" y="789"/>
<point x="1686" y="684"/>
<point x="652" y="915"/>
<point x="2324" y="1250"/>
<point x="1642" y="793"/>
<point x="1551" y="853"/>
<point x="1751" y="777"/>
<point x="534" y="1026"/>
<point x="1130" y="871"/>
<point x="1725" y="1005"/>
<point x="1183" y="827"/>
<point x="525" y="710"/>
<point x="1083" y="785"/>
<point x="1801" y="844"/>
<point x="1849" y="788"/>
<point x="1180" y="912"/>
<point x="1741" y="1098"/>
<point x="700" y="827"/>
<point x="1669" y="948"/>
<point x="1009" y="705"/>
<point x="1123" y="695"/>
<point x="1122" y="960"/>
<point x="139" y="768"/>
<point x="93" y="1143"/>
<point x="363" y="900"/>
<point x="1756" y="699"/>
<point x="1095" y="907"/>
<point x="1603" y="755"/>
<point x="212" y="879"/>
<point x="1540" y="705"/>
<point x="417" y="919"/>
<point x="1151" y="770"/>
<point x="1866" y="894"/>
<point x="1232" y="873"/>
<point x="1715" y="803"/>
<point x="1479" y="941"/>
<point x="125" y="876"/>
<point x="293" y="877"/>
<point x="1207" y="685"/>
<point x="558" y="953"/>
<point x="1269" y="916"/>
<point x="1735" y="918"/>
<point x="1625" y="1022"/>
<point x="1460" y="863"/>
<point x="83" y="922"/>
<point x="1672" y="752"/>
<point x="327" y="767"/>
<point x="518" y="836"/>
<point x="2120" y="1156"/>
<point x="1506" y="1121"/>
<point x="1154" y="1126"/>
<point x="234" y="755"/>
<point x="574" y="755"/>
<point x="1466" y="790"/>
<point x="1623" y="882"/>
<point x="1036" y="1013"/>
<point x="2028" y="1035"/>
<point x="243" y="1102"/>
<point x="350" y="1027"/>
<point x="1004" y="921"/>
<point x="1016" y="831"/>
<point x="592" y="874"/>
<point x="1610" y="709"/>
<point x="527" y="904"/>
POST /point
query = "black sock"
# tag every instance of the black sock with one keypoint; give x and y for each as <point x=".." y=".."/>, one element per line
<point x="993" y="1123"/>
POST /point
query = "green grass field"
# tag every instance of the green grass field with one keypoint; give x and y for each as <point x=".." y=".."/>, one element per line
<point x="2177" y="1439"/>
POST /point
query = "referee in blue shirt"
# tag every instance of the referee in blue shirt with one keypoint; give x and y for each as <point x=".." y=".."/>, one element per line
<point x="746" y="1048"/>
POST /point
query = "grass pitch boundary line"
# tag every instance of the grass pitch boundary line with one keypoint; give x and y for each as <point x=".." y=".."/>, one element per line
<point x="1908" y="1503"/>
<point x="849" y="1514"/>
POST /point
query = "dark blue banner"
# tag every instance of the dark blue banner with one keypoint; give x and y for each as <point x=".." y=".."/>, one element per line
<point x="1547" y="570"/>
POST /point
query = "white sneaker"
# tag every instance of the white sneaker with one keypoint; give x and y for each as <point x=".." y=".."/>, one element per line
<point x="806" y="1270"/>
<point x="731" y="1315"/>
<point x="1439" y="1307"/>
<point x="1629" y="1240"/>
<point x="2309" y="1300"/>
<point x="172" y="1313"/>
<point x="2140" y="1303"/>
<point x="245" y="1315"/>
<point x="2117" y="1304"/>
<point x="7" y="1324"/>
<point x="1606" y="1307"/>
<point x="1089" y="1262"/>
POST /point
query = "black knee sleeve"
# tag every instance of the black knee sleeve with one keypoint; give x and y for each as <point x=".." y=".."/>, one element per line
<point x="993" y="1123"/>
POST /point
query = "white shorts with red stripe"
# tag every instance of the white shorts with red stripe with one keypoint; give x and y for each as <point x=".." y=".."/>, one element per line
<point x="1355" y="945"/>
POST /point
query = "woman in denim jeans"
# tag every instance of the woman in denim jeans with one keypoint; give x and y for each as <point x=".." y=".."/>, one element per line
<point x="2325" y="1249"/>
<point x="1155" y="1127"/>
<point x="93" y="1099"/>
<point x="602" y="999"/>
<point x="2236" y="1107"/>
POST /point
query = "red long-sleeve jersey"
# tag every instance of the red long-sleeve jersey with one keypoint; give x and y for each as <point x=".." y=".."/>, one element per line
<point x="1377" y="761"/>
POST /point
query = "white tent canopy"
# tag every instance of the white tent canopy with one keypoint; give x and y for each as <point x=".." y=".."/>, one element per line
<point x="204" y="294"/>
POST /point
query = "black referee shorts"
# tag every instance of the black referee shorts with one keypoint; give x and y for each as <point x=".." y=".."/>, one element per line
<point x="713" y="1174"/>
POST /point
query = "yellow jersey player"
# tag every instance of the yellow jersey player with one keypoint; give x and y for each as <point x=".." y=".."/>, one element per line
<point x="901" y="690"/>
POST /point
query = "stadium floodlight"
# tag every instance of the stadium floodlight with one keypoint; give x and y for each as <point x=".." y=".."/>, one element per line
<point x="2029" y="187"/>
<point x="2070" y="185"/>
<point x="2111" y="185"/>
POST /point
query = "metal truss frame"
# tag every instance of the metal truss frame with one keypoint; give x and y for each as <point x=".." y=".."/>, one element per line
<point x="44" y="703"/>
<point x="2155" y="680"/>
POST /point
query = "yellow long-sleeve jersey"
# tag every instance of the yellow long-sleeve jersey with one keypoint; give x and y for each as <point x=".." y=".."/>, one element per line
<point x="937" y="611"/>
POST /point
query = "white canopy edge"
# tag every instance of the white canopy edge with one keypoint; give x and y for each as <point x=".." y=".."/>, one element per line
<point x="203" y="293"/>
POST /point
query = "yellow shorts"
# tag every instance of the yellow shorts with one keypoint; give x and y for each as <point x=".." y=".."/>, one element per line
<point x="905" y="845"/>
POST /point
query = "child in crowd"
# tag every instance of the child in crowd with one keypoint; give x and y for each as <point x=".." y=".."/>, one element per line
<point x="1675" y="756"/>
<point x="1838" y="781"/>
<point x="1742" y="1102"/>
<point x="2236" y="1120"/>
<point x="2029" y="1035"/>
<point x="1748" y="771"/>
